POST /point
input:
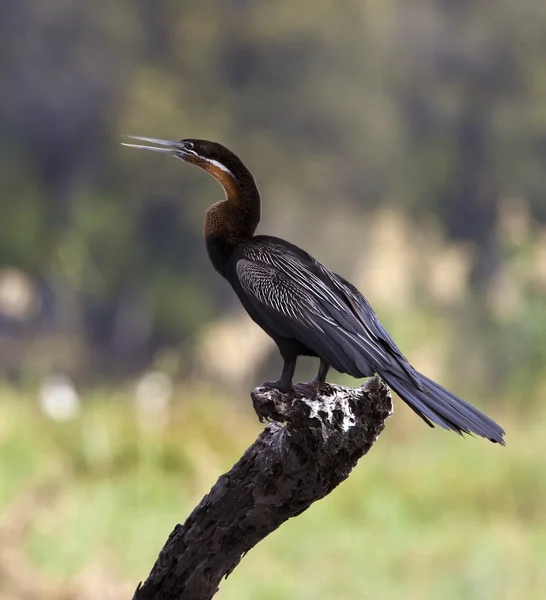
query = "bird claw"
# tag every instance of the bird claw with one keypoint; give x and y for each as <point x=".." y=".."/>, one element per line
<point x="309" y="390"/>
<point x="279" y="385"/>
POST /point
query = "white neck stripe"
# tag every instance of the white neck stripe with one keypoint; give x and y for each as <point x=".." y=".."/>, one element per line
<point x="220" y="166"/>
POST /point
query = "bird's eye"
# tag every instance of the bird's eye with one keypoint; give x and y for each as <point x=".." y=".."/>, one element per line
<point x="188" y="145"/>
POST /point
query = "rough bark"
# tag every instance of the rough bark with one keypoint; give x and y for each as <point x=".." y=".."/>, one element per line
<point x="308" y="448"/>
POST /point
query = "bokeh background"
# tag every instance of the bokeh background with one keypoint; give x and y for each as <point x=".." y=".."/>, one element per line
<point x="402" y="143"/>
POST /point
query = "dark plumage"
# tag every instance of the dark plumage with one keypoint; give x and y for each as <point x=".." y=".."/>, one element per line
<point x="306" y="308"/>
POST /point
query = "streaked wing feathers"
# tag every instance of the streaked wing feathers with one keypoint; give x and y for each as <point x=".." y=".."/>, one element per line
<point x="295" y="301"/>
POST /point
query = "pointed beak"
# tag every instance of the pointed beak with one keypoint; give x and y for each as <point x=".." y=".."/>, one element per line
<point x="175" y="148"/>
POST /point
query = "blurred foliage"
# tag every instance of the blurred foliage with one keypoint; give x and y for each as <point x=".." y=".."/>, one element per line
<point x="87" y="504"/>
<point x="434" y="108"/>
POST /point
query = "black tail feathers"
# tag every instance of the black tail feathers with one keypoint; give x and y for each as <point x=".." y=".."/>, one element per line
<point x="435" y="404"/>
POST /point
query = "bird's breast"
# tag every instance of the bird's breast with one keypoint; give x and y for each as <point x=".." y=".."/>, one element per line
<point x="220" y="251"/>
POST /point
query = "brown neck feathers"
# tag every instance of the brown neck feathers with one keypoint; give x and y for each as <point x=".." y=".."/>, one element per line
<point x="236" y="218"/>
<point x="227" y="180"/>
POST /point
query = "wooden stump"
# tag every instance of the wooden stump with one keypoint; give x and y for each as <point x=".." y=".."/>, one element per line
<point x="308" y="448"/>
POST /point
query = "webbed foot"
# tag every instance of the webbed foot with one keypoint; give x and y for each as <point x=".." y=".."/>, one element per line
<point x="313" y="388"/>
<point x="280" y="385"/>
<point x="309" y="390"/>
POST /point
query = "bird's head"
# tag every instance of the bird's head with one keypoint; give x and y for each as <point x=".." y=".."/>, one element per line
<point x="210" y="156"/>
<point x="237" y="181"/>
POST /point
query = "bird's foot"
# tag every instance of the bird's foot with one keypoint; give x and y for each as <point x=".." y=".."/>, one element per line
<point x="282" y="386"/>
<point x="309" y="390"/>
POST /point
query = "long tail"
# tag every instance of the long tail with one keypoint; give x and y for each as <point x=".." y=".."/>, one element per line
<point x="435" y="404"/>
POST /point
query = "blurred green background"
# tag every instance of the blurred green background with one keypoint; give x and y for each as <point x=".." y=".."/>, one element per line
<point x="403" y="144"/>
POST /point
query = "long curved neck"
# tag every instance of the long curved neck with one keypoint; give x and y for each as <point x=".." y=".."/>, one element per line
<point x="238" y="182"/>
<point x="233" y="220"/>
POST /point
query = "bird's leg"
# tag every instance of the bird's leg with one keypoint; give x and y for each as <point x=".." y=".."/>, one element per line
<point x="284" y="383"/>
<point x="314" y="386"/>
<point x="320" y="377"/>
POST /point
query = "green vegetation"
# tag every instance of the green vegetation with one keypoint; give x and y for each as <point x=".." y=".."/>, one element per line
<point x="424" y="515"/>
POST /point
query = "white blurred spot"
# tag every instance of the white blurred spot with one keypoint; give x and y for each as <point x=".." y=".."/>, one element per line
<point x="58" y="398"/>
<point x="18" y="298"/>
<point x="153" y="393"/>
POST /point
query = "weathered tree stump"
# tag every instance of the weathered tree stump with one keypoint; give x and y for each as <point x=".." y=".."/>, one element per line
<point x="308" y="448"/>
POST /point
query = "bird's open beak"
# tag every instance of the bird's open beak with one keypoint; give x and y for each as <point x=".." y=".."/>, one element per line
<point x="175" y="148"/>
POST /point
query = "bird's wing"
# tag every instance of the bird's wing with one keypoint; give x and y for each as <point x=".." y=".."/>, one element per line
<point x="295" y="303"/>
<point x="363" y="311"/>
<point x="371" y="323"/>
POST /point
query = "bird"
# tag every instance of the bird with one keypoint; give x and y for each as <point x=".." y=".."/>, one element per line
<point x="307" y="309"/>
